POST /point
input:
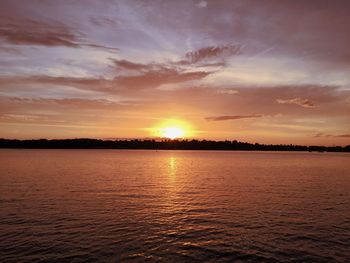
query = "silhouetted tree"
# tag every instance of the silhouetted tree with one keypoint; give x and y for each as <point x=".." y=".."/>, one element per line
<point x="166" y="144"/>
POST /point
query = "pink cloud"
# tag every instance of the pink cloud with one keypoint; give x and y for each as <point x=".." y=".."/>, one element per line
<point x="232" y="117"/>
<point x="297" y="101"/>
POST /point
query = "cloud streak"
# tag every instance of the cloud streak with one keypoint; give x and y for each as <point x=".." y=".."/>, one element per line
<point x="31" y="32"/>
<point x="232" y="117"/>
<point x="34" y="32"/>
<point x="129" y="65"/>
<point x="153" y="74"/>
<point x="211" y="52"/>
<point x="297" y="101"/>
<point x="320" y="135"/>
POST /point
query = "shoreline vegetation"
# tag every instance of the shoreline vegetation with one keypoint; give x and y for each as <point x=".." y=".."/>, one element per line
<point x="164" y="144"/>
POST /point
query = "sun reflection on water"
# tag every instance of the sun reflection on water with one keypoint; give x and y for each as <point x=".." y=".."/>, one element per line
<point x="172" y="168"/>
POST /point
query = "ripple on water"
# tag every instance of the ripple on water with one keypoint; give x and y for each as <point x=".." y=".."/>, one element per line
<point x="136" y="206"/>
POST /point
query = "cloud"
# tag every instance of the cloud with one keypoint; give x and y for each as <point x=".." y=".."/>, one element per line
<point x="56" y="87"/>
<point x="212" y="52"/>
<point x="71" y="101"/>
<point x="297" y="101"/>
<point x="154" y="74"/>
<point x="155" y="78"/>
<point x="129" y="65"/>
<point x="98" y="46"/>
<point x="43" y="33"/>
<point x="34" y="32"/>
<point x="343" y="136"/>
<point x="10" y="50"/>
<point x="202" y="4"/>
<point x="33" y="109"/>
<point x="204" y="54"/>
<point x="44" y="79"/>
<point x="232" y="117"/>
<point x="227" y="91"/>
<point x="102" y="21"/>
<point x="78" y="102"/>
<point x="148" y="79"/>
<point x="320" y="134"/>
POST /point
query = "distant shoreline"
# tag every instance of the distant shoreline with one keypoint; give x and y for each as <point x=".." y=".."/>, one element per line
<point x="165" y="144"/>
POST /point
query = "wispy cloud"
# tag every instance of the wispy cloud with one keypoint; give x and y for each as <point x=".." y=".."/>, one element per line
<point x="227" y="91"/>
<point x="343" y="136"/>
<point x="34" y="32"/>
<point x="153" y="79"/>
<point x="129" y="65"/>
<point x="149" y="79"/>
<point x="10" y="50"/>
<point x="320" y="134"/>
<point x="31" y="32"/>
<point x="211" y="52"/>
<point x="202" y="4"/>
<point x="232" y="117"/>
<point x="153" y="74"/>
<point x="297" y="101"/>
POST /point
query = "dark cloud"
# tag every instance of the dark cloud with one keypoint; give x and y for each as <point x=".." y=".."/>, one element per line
<point x="213" y="52"/>
<point x="320" y="134"/>
<point x="34" y="32"/>
<point x="153" y="74"/>
<point x="43" y="33"/>
<point x="232" y="117"/>
<point x="297" y="101"/>
<point x="124" y="64"/>
<point x="144" y="80"/>
<point x="128" y="65"/>
<point x="343" y="136"/>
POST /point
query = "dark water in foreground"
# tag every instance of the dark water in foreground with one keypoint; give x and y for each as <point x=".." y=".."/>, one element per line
<point x="185" y="206"/>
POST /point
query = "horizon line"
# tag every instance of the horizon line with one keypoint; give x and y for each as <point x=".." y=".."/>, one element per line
<point x="163" y="143"/>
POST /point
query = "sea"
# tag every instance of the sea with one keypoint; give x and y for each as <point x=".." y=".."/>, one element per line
<point x="174" y="206"/>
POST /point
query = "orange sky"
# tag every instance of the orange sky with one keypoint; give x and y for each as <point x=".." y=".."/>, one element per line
<point x="258" y="71"/>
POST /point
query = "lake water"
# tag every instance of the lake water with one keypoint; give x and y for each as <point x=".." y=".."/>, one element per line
<point x="173" y="206"/>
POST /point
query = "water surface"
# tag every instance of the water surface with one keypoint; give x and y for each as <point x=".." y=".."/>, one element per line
<point x="185" y="206"/>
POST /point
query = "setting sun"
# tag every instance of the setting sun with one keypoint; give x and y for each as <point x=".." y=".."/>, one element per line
<point x="172" y="132"/>
<point x="172" y="129"/>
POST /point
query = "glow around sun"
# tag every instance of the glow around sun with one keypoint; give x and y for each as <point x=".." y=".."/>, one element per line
<point x="172" y="132"/>
<point x="172" y="129"/>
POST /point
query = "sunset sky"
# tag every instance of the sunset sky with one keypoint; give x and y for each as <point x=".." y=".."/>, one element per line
<point x="256" y="71"/>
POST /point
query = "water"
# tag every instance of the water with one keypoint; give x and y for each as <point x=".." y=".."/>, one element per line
<point x="185" y="206"/>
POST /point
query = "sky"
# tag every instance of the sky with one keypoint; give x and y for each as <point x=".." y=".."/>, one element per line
<point x="271" y="71"/>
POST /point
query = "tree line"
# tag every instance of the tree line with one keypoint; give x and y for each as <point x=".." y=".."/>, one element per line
<point x="165" y="144"/>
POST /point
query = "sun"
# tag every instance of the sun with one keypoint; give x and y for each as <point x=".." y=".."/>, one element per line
<point x="172" y="132"/>
<point x="172" y="129"/>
